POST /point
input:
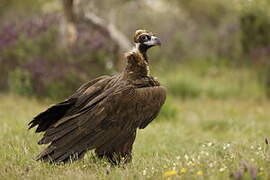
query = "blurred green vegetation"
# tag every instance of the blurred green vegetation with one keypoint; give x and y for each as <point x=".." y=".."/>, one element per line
<point x="20" y="82"/>
<point x="215" y="49"/>
<point x="216" y="80"/>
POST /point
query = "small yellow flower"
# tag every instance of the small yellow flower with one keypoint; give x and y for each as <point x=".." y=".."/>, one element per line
<point x="199" y="173"/>
<point x="193" y="164"/>
<point x="183" y="170"/>
<point x="170" y="173"/>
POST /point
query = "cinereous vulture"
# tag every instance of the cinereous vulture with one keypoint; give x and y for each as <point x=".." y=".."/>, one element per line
<point x="105" y="113"/>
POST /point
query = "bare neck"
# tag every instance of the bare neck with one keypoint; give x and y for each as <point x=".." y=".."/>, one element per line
<point x="142" y="49"/>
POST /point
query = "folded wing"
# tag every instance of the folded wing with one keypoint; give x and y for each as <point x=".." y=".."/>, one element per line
<point x="103" y="117"/>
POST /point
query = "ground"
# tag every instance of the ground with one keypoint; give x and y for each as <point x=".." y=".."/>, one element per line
<point x="204" y="139"/>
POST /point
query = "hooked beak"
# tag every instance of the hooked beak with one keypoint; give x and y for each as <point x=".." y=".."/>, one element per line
<point x="155" y="41"/>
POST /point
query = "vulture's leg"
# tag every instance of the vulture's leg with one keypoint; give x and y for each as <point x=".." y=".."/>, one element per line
<point x="118" y="153"/>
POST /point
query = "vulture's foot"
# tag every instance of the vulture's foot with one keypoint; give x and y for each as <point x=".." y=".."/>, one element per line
<point x="116" y="158"/>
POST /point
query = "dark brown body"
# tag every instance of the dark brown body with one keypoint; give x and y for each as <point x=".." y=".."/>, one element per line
<point x="104" y="114"/>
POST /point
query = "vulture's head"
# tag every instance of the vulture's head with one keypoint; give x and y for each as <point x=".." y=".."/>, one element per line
<point x="145" y="40"/>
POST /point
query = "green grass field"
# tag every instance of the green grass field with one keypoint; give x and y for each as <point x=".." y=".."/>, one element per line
<point x="206" y="139"/>
<point x="214" y="125"/>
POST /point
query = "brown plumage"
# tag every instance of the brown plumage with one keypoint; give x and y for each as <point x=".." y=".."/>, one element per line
<point x="104" y="113"/>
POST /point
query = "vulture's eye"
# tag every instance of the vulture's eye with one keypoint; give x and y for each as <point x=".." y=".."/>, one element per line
<point x="145" y="37"/>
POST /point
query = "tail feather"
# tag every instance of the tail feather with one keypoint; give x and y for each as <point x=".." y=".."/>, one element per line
<point x="45" y="154"/>
<point x="51" y="115"/>
<point x="69" y="148"/>
<point x="67" y="157"/>
<point x="55" y="135"/>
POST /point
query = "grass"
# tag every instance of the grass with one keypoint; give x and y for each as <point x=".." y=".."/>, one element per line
<point x="208" y="136"/>
<point x="206" y="139"/>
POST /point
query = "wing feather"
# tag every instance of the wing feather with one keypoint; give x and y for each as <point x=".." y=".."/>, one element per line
<point x="52" y="115"/>
<point x="151" y="98"/>
<point x="81" y="132"/>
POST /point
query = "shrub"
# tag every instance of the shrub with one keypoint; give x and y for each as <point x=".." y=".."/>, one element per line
<point x="20" y="82"/>
<point x="169" y="110"/>
<point x="30" y="48"/>
<point x="264" y="77"/>
<point x="184" y="88"/>
<point x="255" y="28"/>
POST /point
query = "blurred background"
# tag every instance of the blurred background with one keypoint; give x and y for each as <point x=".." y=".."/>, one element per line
<point x="214" y="62"/>
<point x="211" y="48"/>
